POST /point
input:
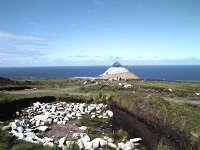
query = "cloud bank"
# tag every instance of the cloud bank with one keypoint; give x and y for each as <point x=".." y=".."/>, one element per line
<point x="13" y="36"/>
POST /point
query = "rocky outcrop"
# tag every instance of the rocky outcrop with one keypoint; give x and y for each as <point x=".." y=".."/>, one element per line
<point x="41" y="116"/>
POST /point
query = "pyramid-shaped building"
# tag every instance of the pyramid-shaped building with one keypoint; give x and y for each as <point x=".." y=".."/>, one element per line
<point x="117" y="71"/>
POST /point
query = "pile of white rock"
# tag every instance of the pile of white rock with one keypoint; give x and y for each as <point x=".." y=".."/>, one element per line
<point x="40" y="117"/>
<point x="84" y="142"/>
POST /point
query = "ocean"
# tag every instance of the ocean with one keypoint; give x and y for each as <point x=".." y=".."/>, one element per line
<point x="189" y="72"/>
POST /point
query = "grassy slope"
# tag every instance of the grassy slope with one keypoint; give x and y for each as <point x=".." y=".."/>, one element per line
<point x="183" y="116"/>
<point x="147" y="97"/>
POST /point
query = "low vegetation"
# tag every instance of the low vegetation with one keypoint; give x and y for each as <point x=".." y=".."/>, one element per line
<point x="148" y="96"/>
<point x="184" y="117"/>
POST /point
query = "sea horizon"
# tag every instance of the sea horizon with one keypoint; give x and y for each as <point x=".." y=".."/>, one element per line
<point x="160" y="72"/>
<point x="96" y="66"/>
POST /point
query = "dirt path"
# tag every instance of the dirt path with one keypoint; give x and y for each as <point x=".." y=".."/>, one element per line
<point x="196" y="102"/>
<point x="71" y="91"/>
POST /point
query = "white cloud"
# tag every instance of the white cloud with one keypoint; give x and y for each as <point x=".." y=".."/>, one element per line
<point x="13" y="36"/>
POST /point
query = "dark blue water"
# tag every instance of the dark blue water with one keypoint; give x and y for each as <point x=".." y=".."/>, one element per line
<point x="147" y="72"/>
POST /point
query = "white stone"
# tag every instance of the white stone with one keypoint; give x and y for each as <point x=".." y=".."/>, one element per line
<point x="98" y="112"/>
<point x="105" y="117"/>
<point x="80" y="144"/>
<point x="110" y="113"/>
<point x="47" y="140"/>
<point x="62" y="141"/>
<point x="128" y="146"/>
<point x="60" y="122"/>
<point x="110" y="140"/>
<point x="121" y="145"/>
<point x="134" y="140"/>
<point x="88" y="145"/>
<point x="95" y="144"/>
<point x="50" y="144"/>
<point x="85" y="138"/>
<point x="55" y="120"/>
<point x="93" y="116"/>
<point x="105" y="137"/>
<point x="20" y="129"/>
<point x="37" y="104"/>
<point x="170" y="90"/>
<point x="42" y="128"/>
<point x="69" y="116"/>
<point x="78" y="115"/>
<point x="49" y="120"/>
<point x="128" y="86"/>
<point x="100" y="116"/>
<point x="29" y="139"/>
<point x="81" y="108"/>
<point x="83" y="128"/>
<point x="66" y="118"/>
<point x="31" y="135"/>
<point x="112" y="145"/>
<point x="18" y="135"/>
<point x="98" y="142"/>
<point x="37" y="123"/>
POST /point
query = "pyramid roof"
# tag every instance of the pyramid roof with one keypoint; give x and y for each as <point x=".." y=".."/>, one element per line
<point x="117" y="71"/>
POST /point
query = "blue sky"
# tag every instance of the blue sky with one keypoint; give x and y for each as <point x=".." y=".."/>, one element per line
<point x="99" y="32"/>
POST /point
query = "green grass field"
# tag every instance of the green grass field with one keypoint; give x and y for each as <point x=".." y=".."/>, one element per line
<point x="148" y="95"/>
